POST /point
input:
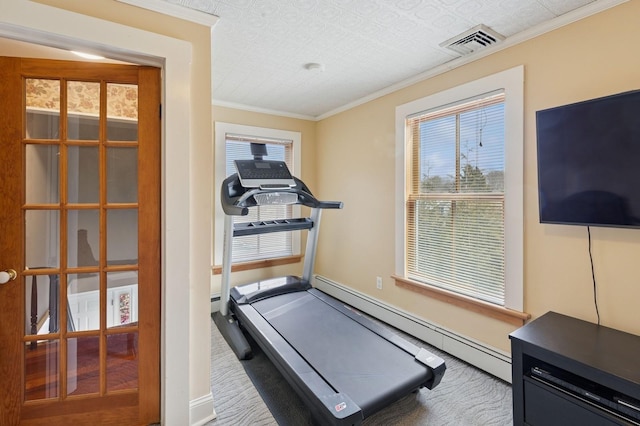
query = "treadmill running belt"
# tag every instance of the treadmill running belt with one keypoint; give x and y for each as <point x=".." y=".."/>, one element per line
<point x="351" y="358"/>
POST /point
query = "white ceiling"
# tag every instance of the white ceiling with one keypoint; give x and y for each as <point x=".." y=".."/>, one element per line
<point x="260" y="47"/>
<point x="367" y="48"/>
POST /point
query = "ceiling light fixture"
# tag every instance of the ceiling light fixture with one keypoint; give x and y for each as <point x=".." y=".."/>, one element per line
<point x="86" y="55"/>
<point x="314" y="66"/>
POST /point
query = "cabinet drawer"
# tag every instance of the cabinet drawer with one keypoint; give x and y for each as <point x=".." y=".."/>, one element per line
<point x="545" y="406"/>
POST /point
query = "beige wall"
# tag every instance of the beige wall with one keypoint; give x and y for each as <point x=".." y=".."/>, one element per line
<point x="586" y="59"/>
<point x="582" y="61"/>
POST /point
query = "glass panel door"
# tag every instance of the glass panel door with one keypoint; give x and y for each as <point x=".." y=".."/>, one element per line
<point x="81" y="238"/>
<point x="80" y="219"/>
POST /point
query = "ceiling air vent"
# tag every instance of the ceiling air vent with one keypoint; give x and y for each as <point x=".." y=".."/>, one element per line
<point x="479" y="37"/>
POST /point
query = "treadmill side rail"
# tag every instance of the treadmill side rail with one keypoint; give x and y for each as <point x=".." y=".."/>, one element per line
<point x="435" y="363"/>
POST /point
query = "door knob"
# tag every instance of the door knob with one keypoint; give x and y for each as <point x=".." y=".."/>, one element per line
<point x="8" y="275"/>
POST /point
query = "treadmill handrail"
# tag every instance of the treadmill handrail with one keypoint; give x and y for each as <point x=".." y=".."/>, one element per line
<point x="236" y="199"/>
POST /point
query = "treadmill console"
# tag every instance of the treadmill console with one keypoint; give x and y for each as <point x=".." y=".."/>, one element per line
<point x="265" y="174"/>
<point x="261" y="182"/>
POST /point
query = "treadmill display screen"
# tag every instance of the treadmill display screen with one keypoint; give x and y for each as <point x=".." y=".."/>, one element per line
<point x="257" y="173"/>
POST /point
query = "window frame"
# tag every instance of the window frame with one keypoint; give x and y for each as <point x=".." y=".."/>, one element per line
<point x="221" y="131"/>
<point x="510" y="81"/>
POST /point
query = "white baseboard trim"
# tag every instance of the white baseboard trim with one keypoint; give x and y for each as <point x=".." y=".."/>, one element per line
<point x="492" y="360"/>
<point x="201" y="410"/>
<point x="215" y="302"/>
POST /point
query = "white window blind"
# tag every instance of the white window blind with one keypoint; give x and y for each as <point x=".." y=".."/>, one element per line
<point x="257" y="247"/>
<point x="456" y="201"/>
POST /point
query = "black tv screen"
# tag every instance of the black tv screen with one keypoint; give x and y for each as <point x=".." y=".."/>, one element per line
<point x="589" y="162"/>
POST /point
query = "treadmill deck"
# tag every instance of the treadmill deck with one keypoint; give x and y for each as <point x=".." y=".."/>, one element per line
<point x="302" y="331"/>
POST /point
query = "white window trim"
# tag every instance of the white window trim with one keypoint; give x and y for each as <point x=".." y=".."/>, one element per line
<point x="221" y="131"/>
<point x="512" y="82"/>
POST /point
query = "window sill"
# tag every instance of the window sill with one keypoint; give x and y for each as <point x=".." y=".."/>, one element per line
<point x="483" y="308"/>
<point x="257" y="264"/>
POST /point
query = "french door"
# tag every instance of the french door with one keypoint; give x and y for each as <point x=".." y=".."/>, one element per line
<point x="80" y="227"/>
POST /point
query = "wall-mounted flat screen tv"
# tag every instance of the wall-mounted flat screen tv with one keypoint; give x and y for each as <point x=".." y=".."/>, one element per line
<point x="589" y="162"/>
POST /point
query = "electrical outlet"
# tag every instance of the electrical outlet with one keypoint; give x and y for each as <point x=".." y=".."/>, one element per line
<point x="379" y="283"/>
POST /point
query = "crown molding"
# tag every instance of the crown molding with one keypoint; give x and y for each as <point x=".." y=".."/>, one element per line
<point x="175" y="10"/>
<point x="249" y="108"/>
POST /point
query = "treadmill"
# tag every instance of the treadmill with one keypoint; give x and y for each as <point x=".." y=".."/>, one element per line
<point x="344" y="366"/>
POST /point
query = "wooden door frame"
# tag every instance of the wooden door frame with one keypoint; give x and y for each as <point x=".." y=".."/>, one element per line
<point x="24" y="20"/>
<point x="10" y="203"/>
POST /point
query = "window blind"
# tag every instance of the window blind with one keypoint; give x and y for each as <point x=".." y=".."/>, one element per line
<point x="257" y="247"/>
<point x="455" y="204"/>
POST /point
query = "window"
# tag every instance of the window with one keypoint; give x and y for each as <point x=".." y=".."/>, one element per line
<point x="455" y="209"/>
<point x="460" y="211"/>
<point x="233" y="142"/>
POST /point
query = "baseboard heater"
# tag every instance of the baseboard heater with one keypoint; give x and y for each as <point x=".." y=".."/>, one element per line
<point x="489" y="359"/>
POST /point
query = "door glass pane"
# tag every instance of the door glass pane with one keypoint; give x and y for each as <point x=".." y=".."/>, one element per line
<point x="122" y="237"/>
<point x="41" y="370"/>
<point x="83" y="110"/>
<point x="122" y="175"/>
<point x="122" y="361"/>
<point x="122" y="112"/>
<point x="42" y="102"/>
<point x="83" y="298"/>
<point x="41" y="295"/>
<point x="42" y="233"/>
<point x="83" y="178"/>
<point x="122" y="298"/>
<point x="83" y="365"/>
<point x="42" y="174"/>
<point x="83" y="238"/>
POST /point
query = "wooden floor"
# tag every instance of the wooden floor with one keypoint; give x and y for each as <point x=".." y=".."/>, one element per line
<point x="42" y="366"/>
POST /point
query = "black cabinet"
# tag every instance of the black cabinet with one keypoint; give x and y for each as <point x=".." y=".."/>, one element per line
<point x="572" y="372"/>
